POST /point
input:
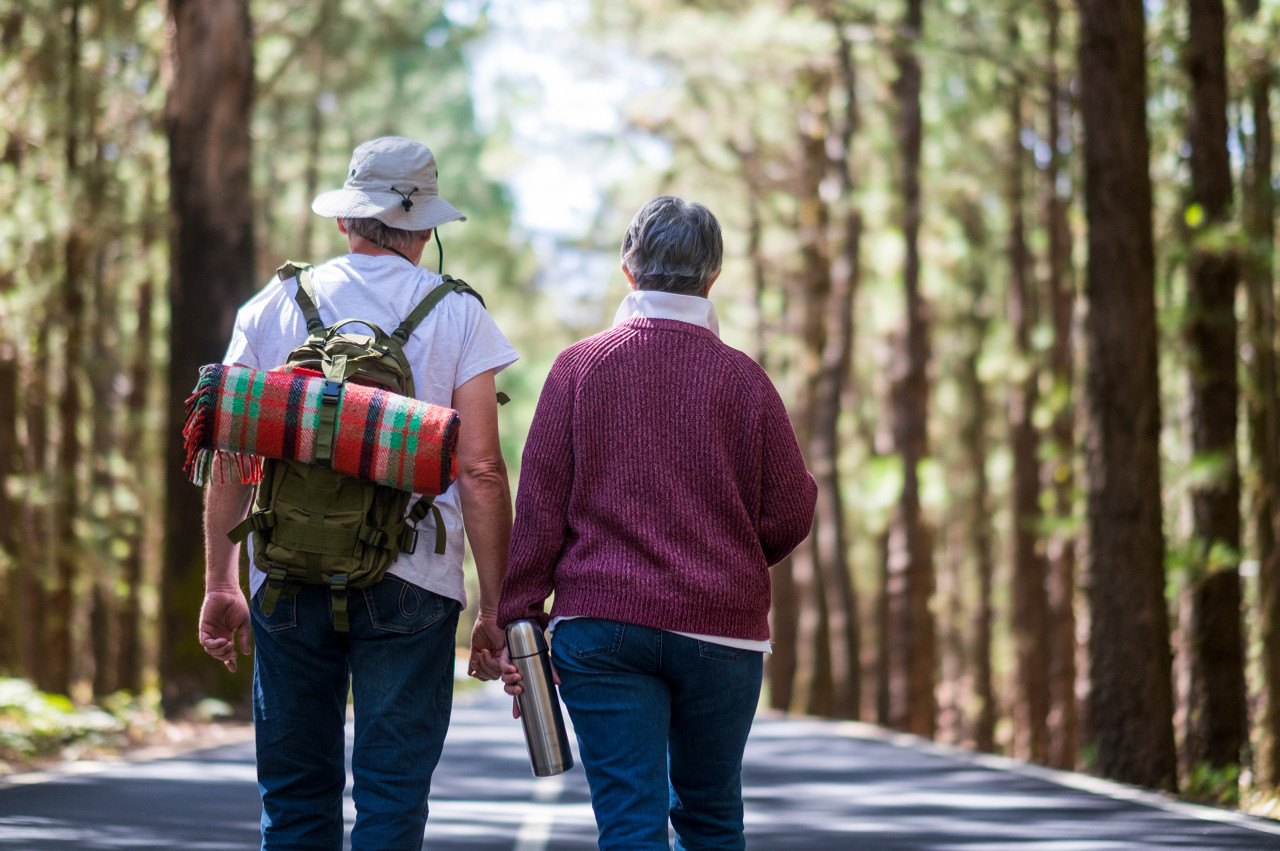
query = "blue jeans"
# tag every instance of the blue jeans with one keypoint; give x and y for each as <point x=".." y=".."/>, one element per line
<point x="396" y="662"/>
<point x="662" y="721"/>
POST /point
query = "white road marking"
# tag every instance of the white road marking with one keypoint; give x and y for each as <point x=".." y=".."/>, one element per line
<point x="535" y="826"/>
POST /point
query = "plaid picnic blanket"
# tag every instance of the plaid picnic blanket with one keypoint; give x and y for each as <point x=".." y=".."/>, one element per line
<point x="250" y="414"/>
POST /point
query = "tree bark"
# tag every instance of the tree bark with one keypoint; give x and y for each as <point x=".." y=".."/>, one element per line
<point x="1261" y="400"/>
<point x="910" y="639"/>
<point x="974" y="442"/>
<point x="211" y="272"/>
<point x="130" y="659"/>
<point x="831" y="544"/>
<point x="34" y="552"/>
<point x="814" y="680"/>
<point x="10" y="531"/>
<point x="66" y="472"/>
<point x="1131" y="696"/>
<point x="104" y="572"/>
<point x="1060" y="290"/>
<point x="1030" y="602"/>
<point x="1216" y="711"/>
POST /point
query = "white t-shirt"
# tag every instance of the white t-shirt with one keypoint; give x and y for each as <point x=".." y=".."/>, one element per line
<point x="457" y="341"/>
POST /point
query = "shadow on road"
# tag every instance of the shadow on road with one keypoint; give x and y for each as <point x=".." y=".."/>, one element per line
<point x="809" y="786"/>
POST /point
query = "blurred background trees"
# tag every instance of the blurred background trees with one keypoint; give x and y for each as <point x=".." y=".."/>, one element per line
<point x="1011" y="263"/>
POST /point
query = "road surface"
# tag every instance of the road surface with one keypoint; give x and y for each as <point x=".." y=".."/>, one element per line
<point x="809" y="786"/>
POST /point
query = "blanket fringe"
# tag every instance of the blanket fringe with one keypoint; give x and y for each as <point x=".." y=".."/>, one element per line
<point x="197" y="435"/>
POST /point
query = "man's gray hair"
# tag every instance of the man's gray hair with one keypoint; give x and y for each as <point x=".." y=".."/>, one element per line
<point x="673" y="245"/>
<point x="383" y="235"/>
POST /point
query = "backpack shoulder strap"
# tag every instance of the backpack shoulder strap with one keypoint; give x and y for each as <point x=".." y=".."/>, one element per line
<point x="448" y="285"/>
<point x="306" y="295"/>
<point x="461" y="286"/>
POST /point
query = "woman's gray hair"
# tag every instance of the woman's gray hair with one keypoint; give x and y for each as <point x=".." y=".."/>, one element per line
<point x="673" y="245"/>
<point x="383" y="235"/>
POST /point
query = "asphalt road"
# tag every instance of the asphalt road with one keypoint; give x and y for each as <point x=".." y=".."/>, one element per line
<point x="809" y="786"/>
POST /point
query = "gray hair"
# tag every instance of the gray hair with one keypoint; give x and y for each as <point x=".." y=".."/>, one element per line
<point x="383" y="235"/>
<point x="673" y="245"/>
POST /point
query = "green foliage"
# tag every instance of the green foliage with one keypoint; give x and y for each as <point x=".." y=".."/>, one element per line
<point x="1220" y="786"/>
<point x="335" y="74"/>
<point x="35" y="725"/>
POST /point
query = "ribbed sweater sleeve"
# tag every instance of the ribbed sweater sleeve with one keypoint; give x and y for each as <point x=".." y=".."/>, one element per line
<point x="542" y="501"/>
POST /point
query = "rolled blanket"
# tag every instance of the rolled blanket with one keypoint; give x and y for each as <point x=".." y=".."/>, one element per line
<point x="378" y="435"/>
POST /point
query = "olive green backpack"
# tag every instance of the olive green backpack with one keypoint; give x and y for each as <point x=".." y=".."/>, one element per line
<point x="310" y="524"/>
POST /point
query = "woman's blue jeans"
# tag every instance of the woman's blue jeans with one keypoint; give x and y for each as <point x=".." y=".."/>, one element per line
<point x="396" y="662"/>
<point x="662" y="721"/>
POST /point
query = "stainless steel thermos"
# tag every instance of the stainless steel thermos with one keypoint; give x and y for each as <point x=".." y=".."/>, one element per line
<point x="539" y="704"/>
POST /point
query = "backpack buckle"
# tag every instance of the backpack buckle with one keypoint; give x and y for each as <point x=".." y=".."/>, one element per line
<point x="332" y="392"/>
<point x="409" y="540"/>
<point x="374" y="537"/>
<point x="338" y="602"/>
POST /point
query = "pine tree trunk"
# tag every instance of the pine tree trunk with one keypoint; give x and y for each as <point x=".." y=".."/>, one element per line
<point x="976" y="513"/>
<point x="884" y="658"/>
<point x="1060" y="291"/>
<point x="212" y="271"/>
<point x="315" y="130"/>
<point x="1261" y="401"/>
<point x="1030" y="603"/>
<point x="1131" y="696"/>
<point x="34" y="551"/>
<point x="66" y="472"/>
<point x="1216" y="710"/>
<point x="103" y="366"/>
<point x="10" y="531"/>
<point x="837" y="356"/>
<point x="911" y="640"/>
<point x="814" y="681"/>
<point x="129" y="659"/>
<point x="784" y="614"/>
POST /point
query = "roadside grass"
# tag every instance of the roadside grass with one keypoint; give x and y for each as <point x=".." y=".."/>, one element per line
<point x="37" y="727"/>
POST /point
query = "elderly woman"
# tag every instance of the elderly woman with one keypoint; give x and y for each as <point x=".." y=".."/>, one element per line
<point x="660" y="481"/>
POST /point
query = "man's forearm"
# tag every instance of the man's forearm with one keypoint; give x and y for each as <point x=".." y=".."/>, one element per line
<point x="225" y="505"/>
<point x="486" y="514"/>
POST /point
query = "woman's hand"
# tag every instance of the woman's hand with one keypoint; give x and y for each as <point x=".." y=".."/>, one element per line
<point x="511" y="680"/>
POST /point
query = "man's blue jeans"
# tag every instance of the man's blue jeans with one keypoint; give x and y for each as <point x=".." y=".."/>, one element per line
<point x="397" y="664"/>
<point x="662" y="721"/>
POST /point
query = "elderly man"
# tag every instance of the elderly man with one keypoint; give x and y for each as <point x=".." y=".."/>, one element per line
<point x="396" y="655"/>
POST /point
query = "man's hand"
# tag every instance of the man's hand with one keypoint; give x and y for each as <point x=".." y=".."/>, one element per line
<point x="488" y="641"/>
<point x="224" y="619"/>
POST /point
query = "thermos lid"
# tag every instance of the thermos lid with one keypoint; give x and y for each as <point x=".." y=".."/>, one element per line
<point x="525" y="638"/>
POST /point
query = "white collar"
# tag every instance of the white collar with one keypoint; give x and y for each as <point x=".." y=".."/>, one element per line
<point x="655" y="304"/>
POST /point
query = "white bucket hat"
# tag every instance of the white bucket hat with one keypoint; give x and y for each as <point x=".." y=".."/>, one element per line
<point x="393" y="180"/>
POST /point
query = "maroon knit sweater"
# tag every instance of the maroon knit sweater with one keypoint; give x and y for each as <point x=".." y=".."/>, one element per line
<point x="660" y="480"/>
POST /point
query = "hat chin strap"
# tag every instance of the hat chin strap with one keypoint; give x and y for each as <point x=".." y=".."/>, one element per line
<point x="395" y="251"/>
<point x="439" y="248"/>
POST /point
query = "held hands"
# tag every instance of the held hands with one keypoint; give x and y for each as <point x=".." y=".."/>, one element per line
<point x="488" y="643"/>
<point x="224" y="619"/>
